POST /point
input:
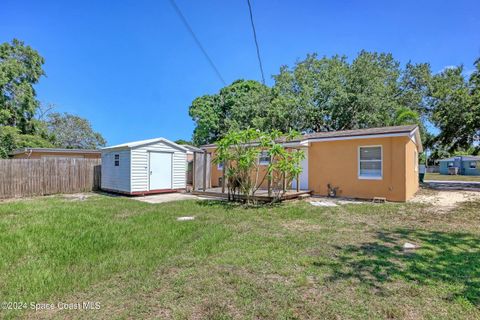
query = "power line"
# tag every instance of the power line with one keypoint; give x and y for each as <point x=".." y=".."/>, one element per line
<point x="199" y="44"/>
<point x="256" y="41"/>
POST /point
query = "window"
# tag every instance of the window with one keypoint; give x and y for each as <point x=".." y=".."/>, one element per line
<point x="264" y="158"/>
<point x="220" y="166"/>
<point x="117" y="160"/>
<point x="370" y="162"/>
<point x="473" y="164"/>
<point x="415" y="160"/>
<point x="450" y="164"/>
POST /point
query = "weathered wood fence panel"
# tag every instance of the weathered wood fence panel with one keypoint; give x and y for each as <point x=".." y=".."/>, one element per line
<point x="35" y="177"/>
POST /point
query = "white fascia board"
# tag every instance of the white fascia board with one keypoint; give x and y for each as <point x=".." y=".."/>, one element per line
<point x="370" y="136"/>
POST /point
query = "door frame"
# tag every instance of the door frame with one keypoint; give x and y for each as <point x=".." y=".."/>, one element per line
<point x="149" y="173"/>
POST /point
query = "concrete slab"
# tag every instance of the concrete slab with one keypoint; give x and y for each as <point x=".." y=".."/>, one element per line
<point x="166" y="197"/>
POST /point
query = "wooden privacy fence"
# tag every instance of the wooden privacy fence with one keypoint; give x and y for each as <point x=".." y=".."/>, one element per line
<point x="35" y="177"/>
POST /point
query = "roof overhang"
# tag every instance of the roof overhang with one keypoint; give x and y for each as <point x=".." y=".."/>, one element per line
<point x="414" y="135"/>
<point x="135" y="144"/>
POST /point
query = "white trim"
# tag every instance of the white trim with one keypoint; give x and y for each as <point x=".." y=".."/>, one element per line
<point x="367" y="136"/>
<point x="415" y="159"/>
<point x="381" y="162"/>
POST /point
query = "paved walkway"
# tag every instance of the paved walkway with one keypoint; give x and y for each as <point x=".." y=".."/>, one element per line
<point x="169" y="197"/>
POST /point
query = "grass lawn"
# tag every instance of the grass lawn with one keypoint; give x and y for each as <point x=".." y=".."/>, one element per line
<point x="287" y="261"/>
<point x="446" y="177"/>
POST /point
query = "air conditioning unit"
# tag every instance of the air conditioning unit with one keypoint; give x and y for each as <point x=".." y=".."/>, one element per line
<point x="453" y="171"/>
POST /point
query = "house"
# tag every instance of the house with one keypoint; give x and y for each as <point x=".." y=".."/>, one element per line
<point x="464" y="165"/>
<point x="41" y="153"/>
<point x="364" y="163"/>
<point x="144" y="167"/>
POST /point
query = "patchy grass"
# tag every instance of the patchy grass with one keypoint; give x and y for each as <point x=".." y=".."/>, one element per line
<point x="284" y="261"/>
<point x="446" y="177"/>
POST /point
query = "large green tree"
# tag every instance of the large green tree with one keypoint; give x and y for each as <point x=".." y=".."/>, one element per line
<point x="240" y="105"/>
<point x="73" y="132"/>
<point x="20" y="69"/>
<point x="455" y="108"/>
<point x="319" y="94"/>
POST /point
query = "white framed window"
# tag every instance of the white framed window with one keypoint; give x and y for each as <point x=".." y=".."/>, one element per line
<point x="220" y="166"/>
<point x="415" y="160"/>
<point x="450" y="164"/>
<point x="264" y="158"/>
<point x="117" y="160"/>
<point x="473" y="164"/>
<point x="370" y="162"/>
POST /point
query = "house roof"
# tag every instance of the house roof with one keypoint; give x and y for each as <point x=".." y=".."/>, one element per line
<point x="464" y="158"/>
<point x="192" y="148"/>
<point x="134" y="144"/>
<point x="54" y="150"/>
<point x="410" y="130"/>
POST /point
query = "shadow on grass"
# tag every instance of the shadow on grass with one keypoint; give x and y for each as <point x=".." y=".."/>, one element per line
<point x="448" y="258"/>
<point x="229" y="205"/>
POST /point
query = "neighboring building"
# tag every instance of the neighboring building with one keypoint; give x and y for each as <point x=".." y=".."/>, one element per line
<point x="464" y="165"/>
<point x="41" y="153"/>
<point x="144" y="167"/>
<point x="364" y="163"/>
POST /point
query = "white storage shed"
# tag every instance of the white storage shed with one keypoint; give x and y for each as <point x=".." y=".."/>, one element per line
<point x="144" y="167"/>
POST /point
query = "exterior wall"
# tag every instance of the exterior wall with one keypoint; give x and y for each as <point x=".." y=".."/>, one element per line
<point x="336" y="163"/>
<point x="411" y="171"/>
<point x="464" y="170"/>
<point x="39" y="155"/>
<point x="468" y="171"/>
<point x="140" y="169"/>
<point x="116" y="178"/>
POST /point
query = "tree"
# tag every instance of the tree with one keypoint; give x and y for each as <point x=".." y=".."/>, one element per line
<point x="238" y="106"/>
<point x="73" y="132"/>
<point x="332" y="94"/>
<point x="182" y="141"/>
<point x="20" y="69"/>
<point x="453" y="109"/>
<point x="11" y="139"/>
<point x="239" y="151"/>
<point x="319" y="94"/>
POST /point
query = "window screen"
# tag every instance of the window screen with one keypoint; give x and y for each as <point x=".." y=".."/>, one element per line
<point x="370" y="162"/>
<point x="117" y="160"/>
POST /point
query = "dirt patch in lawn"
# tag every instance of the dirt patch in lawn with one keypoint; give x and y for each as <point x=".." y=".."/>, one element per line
<point x="444" y="201"/>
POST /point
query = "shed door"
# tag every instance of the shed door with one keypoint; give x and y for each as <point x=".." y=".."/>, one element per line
<point x="160" y="170"/>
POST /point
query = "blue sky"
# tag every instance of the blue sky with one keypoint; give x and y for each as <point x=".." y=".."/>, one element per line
<point x="132" y="68"/>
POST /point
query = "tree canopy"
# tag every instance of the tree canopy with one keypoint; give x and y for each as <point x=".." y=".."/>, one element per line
<point x="73" y="132"/>
<point x="20" y="69"/>
<point x="334" y="93"/>
<point x="22" y="122"/>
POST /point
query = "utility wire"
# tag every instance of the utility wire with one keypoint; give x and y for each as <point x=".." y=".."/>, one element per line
<point x="256" y="41"/>
<point x="199" y="44"/>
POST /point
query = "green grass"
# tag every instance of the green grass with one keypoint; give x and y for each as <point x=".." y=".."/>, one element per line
<point x="446" y="177"/>
<point x="289" y="261"/>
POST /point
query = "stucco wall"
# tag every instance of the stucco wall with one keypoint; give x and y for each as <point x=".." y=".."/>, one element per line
<point x="411" y="172"/>
<point x="336" y="162"/>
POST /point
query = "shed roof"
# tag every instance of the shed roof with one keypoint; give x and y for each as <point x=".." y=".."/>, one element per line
<point x="134" y="144"/>
<point x="54" y="150"/>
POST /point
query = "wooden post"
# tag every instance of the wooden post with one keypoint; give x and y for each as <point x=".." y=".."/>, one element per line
<point x="205" y="171"/>
<point x="298" y="184"/>
<point x="284" y="183"/>
<point x="193" y="170"/>
<point x="269" y="185"/>
<point x="223" y="177"/>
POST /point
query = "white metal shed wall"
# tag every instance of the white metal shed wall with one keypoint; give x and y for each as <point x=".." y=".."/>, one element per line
<point x="140" y="170"/>
<point x="116" y="178"/>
